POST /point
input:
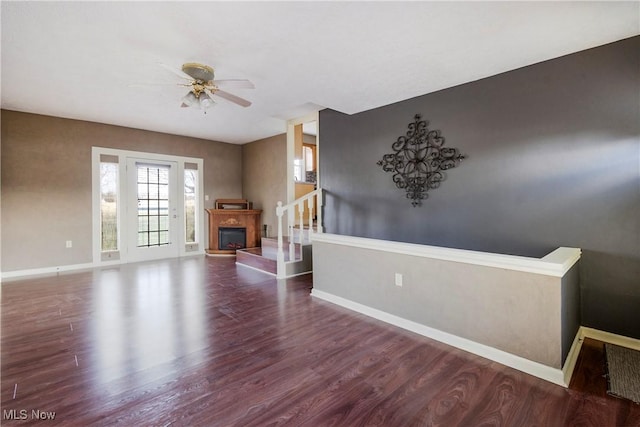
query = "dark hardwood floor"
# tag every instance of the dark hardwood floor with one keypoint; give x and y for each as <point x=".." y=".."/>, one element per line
<point x="589" y="374"/>
<point x="201" y="342"/>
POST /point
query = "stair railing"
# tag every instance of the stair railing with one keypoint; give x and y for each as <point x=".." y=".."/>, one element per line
<point x="297" y="206"/>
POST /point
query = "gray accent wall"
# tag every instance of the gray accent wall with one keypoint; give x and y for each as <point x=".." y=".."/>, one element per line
<point x="553" y="159"/>
<point x="570" y="315"/>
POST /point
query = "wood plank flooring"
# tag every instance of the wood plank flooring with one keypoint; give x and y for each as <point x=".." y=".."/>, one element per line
<point x="202" y="342"/>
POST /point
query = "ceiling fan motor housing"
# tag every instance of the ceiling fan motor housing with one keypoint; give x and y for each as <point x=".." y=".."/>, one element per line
<point x="200" y="72"/>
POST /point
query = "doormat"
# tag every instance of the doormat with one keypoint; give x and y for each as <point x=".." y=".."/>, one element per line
<point x="623" y="372"/>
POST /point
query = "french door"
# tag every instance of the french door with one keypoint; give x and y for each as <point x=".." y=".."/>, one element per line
<point x="152" y="209"/>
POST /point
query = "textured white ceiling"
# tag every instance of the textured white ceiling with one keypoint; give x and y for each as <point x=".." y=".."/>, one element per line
<point x="79" y="59"/>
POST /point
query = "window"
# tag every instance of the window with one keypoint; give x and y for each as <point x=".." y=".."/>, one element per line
<point x="309" y="161"/>
<point x="145" y="205"/>
<point x="190" y="202"/>
<point x="108" y="204"/>
<point x="153" y="205"/>
<point x="297" y="169"/>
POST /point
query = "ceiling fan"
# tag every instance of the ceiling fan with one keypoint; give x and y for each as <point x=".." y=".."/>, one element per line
<point x="202" y="86"/>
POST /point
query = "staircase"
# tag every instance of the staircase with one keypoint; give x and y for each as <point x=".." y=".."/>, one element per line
<point x="265" y="258"/>
<point x="290" y="255"/>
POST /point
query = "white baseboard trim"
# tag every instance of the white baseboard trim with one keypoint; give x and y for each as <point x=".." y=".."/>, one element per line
<point x="572" y="358"/>
<point x="17" y="274"/>
<point x="250" y="267"/>
<point x="610" y="338"/>
<point x="607" y="337"/>
<point x="554" y="375"/>
<point x="48" y="270"/>
<point x="291" y="275"/>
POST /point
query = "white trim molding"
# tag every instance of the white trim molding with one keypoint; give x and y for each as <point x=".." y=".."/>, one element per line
<point x="610" y="338"/>
<point x="18" y="274"/>
<point x="560" y="377"/>
<point x="572" y="358"/>
<point x="310" y="117"/>
<point x="536" y="369"/>
<point x="48" y="270"/>
<point x="606" y="337"/>
<point x="123" y="155"/>
<point x="556" y="264"/>
<point x="250" y="267"/>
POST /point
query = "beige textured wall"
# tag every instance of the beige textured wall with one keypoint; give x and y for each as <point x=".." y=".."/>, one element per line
<point x="46" y="182"/>
<point x="264" y="176"/>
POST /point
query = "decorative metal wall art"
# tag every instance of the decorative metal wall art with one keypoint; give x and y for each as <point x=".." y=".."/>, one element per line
<point x="418" y="160"/>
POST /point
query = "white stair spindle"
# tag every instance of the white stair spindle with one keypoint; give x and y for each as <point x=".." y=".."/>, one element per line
<point x="280" y="267"/>
<point x="314" y="202"/>
<point x="310" y="230"/>
<point x="291" y="224"/>
<point x="301" y="216"/>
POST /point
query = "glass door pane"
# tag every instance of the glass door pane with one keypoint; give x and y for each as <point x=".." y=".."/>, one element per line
<point x="153" y="215"/>
<point x="153" y="205"/>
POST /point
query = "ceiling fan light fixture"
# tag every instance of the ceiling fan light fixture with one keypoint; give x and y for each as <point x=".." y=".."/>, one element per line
<point x="190" y="100"/>
<point x="202" y="86"/>
<point x="198" y="71"/>
<point x="205" y="101"/>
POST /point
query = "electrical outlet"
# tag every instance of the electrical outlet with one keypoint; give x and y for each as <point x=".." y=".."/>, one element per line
<point x="69" y="244"/>
<point x="398" y="279"/>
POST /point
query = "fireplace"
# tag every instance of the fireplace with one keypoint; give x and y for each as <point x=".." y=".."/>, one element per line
<point x="232" y="238"/>
<point x="223" y="221"/>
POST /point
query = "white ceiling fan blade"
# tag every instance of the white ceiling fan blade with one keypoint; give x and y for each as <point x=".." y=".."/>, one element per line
<point x="235" y="83"/>
<point x="178" y="73"/>
<point x="230" y="97"/>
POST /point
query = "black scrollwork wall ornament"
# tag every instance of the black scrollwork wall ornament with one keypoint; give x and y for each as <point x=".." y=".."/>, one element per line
<point x="418" y="160"/>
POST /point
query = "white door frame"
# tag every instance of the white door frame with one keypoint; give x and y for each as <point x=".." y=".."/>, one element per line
<point x="313" y="117"/>
<point x="185" y="249"/>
